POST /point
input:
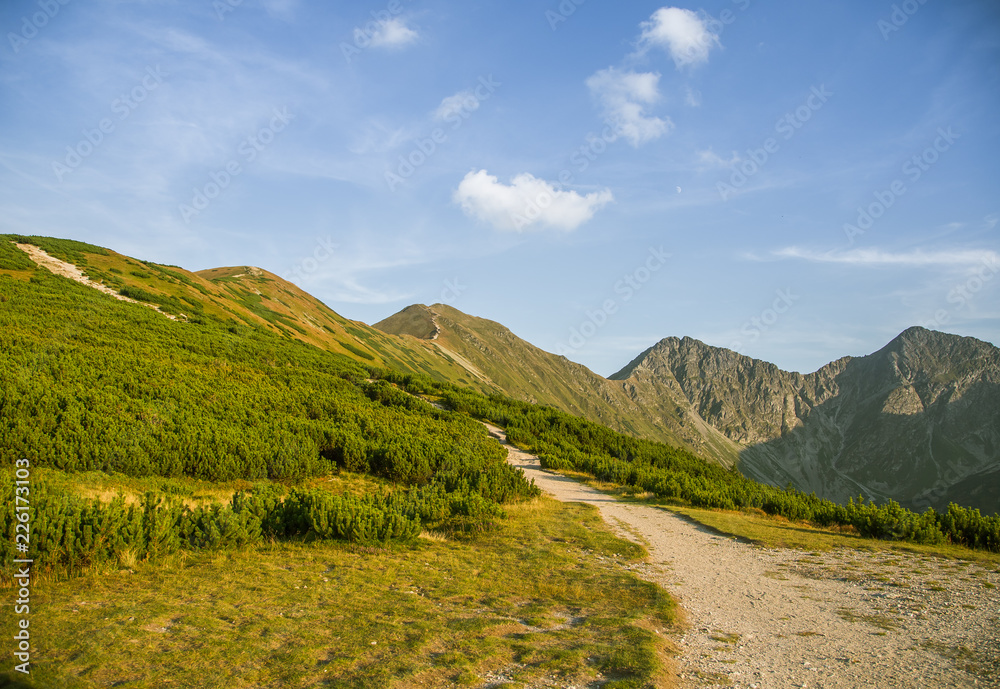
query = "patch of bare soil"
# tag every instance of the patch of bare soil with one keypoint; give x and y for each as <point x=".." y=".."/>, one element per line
<point x="769" y="617"/>
<point x="68" y="270"/>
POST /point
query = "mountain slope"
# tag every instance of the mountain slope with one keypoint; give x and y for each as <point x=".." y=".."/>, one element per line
<point x="526" y="372"/>
<point x="243" y="296"/>
<point x="918" y="421"/>
<point x="439" y="341"/>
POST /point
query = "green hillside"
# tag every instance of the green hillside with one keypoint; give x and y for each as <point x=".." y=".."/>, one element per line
<point x="166" y="447"/>
<point x="235" y="296"/>
<point x="96" y="384"/>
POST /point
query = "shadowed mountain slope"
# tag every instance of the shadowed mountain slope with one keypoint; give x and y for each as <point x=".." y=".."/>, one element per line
<point x="918" y="421"/>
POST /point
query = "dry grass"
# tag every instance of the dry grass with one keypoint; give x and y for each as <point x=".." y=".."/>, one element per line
<point x="128" y="558"/>
<point x="778" y="532"/>
<point x="782" y="533"/>
<point x="532" y="599"/>
<point x="433" y="536"/>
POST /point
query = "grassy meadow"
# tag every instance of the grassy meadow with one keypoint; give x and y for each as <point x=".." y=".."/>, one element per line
<point x="542" y="597"/>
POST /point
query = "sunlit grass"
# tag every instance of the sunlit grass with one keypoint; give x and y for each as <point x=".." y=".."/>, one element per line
<point x="778" y="532"/>
<point x="531" y="599"/>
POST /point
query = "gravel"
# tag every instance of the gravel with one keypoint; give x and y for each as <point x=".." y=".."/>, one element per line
<point x="761" y="617"/>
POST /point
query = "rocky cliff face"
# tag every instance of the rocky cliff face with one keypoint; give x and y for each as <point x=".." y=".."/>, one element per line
<point x="918" y="421"/>
<point x="749" y="400"/>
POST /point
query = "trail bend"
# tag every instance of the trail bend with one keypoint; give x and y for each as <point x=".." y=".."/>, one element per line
<point x="772" y="618"/>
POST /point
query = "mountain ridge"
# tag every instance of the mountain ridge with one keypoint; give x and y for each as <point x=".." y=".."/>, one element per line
<point x="242" y="296"/>
<point x="851" y="427"/>
<point x="917" y="421"/>
<point x="531" y="374"/>
<point x="865" y="425"/>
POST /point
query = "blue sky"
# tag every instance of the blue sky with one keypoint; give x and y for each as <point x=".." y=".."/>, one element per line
<point x="796" y="181"/>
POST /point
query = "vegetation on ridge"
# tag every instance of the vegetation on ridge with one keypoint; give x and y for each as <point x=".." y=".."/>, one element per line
<point x="563" y="441"/>
<point x="94" y="384"/>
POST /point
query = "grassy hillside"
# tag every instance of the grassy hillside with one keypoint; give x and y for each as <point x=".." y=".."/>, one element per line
<point x="439" y="342"/>
<point x="237" y="296"/>
<point x="95" y="384"/>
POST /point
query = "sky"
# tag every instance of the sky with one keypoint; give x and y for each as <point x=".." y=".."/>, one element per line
<point x="794" y="181"/>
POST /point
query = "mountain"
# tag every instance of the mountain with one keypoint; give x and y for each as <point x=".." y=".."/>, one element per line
<point x="242" y="296"/>
<point x="917" y="421"/>
<point x="496" y="355"/>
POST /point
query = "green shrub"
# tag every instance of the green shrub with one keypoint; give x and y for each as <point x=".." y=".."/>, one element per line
<point x="12" y="258"/>
<point x="565" y="442"/>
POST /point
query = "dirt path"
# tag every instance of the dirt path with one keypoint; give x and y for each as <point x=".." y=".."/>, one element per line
<point x="68" y="270"/>
<point x="768" y="618"/>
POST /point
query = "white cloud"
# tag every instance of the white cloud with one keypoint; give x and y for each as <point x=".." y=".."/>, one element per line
<point x="692" y="98"/>
<point x="461" y="103"/>
<point x="393" y="33"/>
<point x="624" y="97"/>
<point x="682" y="33"/>
<point x="711" y="159"/>
<point x="877" y="257"/>
<point x="527" y="201"/>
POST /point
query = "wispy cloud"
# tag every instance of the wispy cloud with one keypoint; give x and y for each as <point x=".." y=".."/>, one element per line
<point x="526" y="202"/>
<point x="393" y="33"/>
<point x="877" y="257"/>
<point x="624" y="97"/>
<point x="458" y="104"/>
<point x="348" y="289"/>
<point x="282" y="9"/>
<point x="376" y="136"/>
<point x="709" y="159"/>
<point x="164" y="142"/>
<point x="683" y="34"/>
<point x="346" y="276"/>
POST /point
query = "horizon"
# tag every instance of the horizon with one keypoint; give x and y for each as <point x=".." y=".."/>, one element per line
<point x="617" y="370"/>
<point x="718" y="169"/>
